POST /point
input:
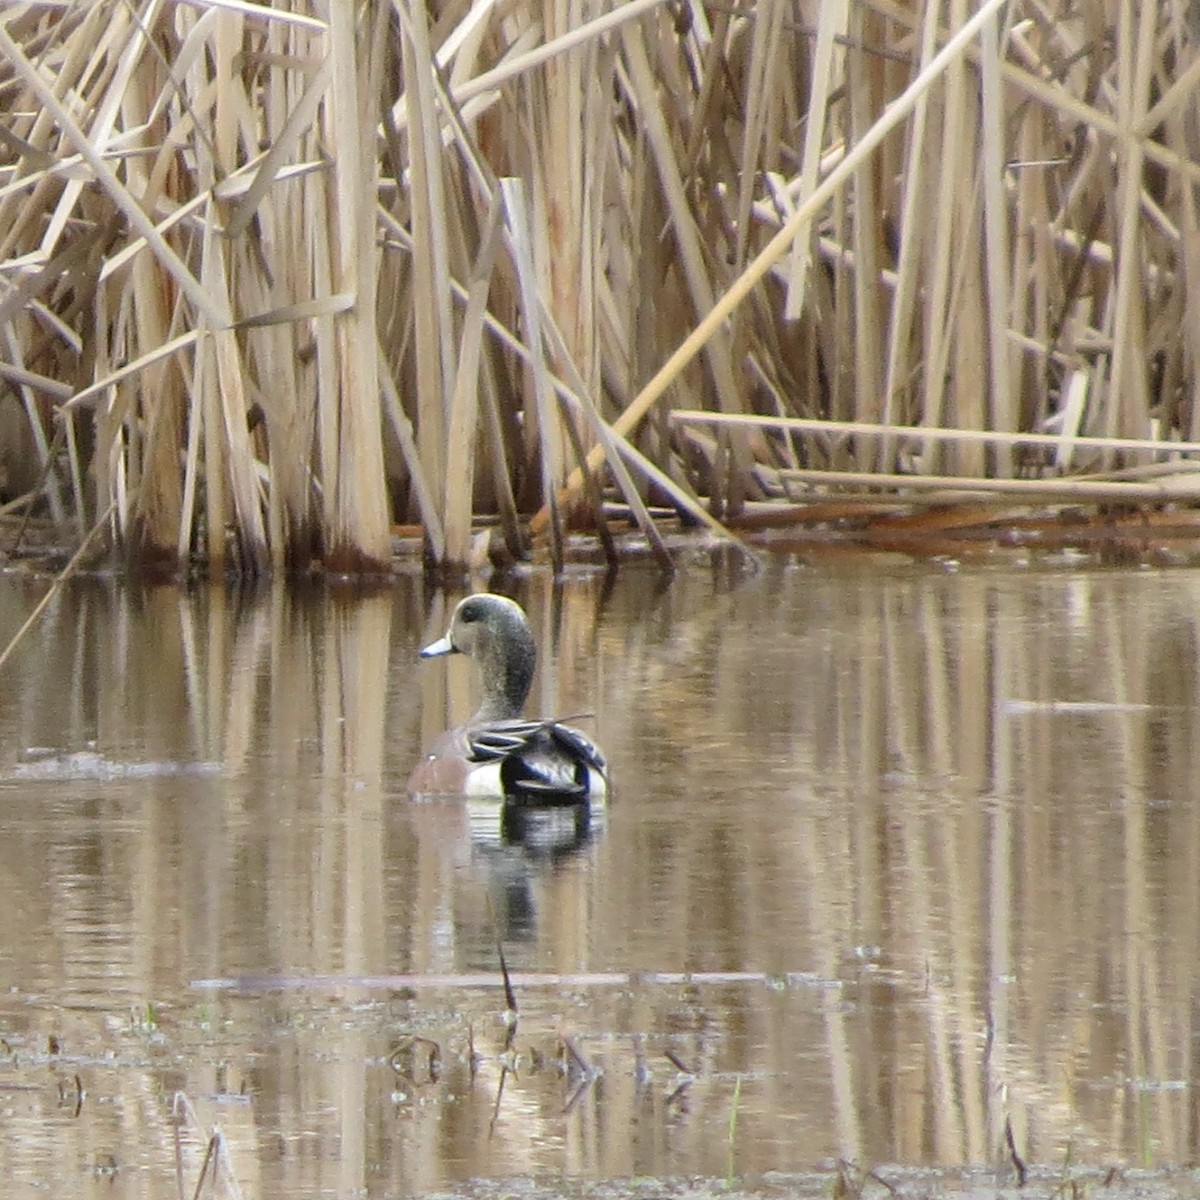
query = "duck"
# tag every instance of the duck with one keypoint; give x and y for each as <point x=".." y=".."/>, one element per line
<point x="498" y="752"/>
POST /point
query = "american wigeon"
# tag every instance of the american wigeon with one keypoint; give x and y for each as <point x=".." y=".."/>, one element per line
<point x="497" y="752"/>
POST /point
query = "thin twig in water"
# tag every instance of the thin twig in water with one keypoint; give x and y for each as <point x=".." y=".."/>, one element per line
<point x="53" y="590"/>
<point x="585" y="1067"/>
<point x="510" y="997"/>
<point x="1017" y="1161"/>
<point x="210" y="1150"/>
<point x="893" y="1190"/>
<point x="577" y="1094"/>
<point x="846" y="1185"/>
<point x="677" y="1062"/>
<point x="473" y="1058"/>
<point x="403" y="1060"/>
<point x="588" y="1074"/>
<point x="499" y="1097"/>
<point x="216" y="1150"/>
<point x="689" y="1076"/>
<point x="71" y="1094"/>
<point x="850" y="1181"/>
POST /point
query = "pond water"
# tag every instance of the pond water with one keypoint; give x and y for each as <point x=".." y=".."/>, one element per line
<point x="901" y="864"/>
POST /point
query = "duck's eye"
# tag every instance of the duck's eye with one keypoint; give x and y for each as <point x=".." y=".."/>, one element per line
<point x="469" y="614"/>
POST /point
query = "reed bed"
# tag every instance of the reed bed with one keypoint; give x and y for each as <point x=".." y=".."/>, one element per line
<point x="276" y="279"/>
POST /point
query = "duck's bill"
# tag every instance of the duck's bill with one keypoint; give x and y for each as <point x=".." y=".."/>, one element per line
<point x="442" y="646"/>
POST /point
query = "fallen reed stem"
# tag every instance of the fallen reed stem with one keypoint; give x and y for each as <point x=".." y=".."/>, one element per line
<point x="56" y="586"/>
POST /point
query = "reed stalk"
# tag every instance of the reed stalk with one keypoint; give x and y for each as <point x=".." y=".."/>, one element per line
<point x="259" y="264"/>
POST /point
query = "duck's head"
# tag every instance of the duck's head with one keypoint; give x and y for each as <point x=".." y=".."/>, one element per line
<point x="495" y="631"/>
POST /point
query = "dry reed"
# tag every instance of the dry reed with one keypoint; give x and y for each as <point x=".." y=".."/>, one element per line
<point x="277" y="278"/>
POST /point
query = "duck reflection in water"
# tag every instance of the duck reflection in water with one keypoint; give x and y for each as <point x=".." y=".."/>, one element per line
<point x="546" y="833"/>
<point x="498" y="753"/>
<point x="521" y="850"/>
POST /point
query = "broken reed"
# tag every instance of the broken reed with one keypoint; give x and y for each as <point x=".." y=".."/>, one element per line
<point x="277" y="277"/>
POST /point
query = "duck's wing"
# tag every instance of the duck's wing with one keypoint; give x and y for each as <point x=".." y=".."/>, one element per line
<point x="578" y="744"/>
<point x="539" y="760"/>
<point x="491" y="743"/>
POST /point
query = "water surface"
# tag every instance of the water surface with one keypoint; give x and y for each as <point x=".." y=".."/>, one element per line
<point x="899" y="856"/>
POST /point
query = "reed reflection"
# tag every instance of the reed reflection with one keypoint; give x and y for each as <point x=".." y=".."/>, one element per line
<point x="924" y="842"/>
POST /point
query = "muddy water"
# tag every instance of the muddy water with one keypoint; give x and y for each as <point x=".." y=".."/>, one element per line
<point x="899" y="857"/>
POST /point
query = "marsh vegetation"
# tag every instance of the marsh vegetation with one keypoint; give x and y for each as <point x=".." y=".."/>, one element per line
<point x="279" y="278"/>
